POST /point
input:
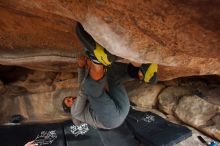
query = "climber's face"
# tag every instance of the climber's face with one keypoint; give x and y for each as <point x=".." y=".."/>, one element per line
<point x="69" y="101"/>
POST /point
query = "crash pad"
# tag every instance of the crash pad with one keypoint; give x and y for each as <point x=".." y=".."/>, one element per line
<point x="90" y="138"/>
<point x="61" y="134"/>
<point x="120" y="136"/>
<point x="153" y="130"/>
<point x="42" y="134"/>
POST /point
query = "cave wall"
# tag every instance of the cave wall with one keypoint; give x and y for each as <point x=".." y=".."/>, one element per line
<point x="35" y="95"/>
<point x="43" y="42"/>
<point x="183" y="37"/>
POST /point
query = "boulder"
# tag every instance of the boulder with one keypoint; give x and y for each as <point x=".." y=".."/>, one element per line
<point x="211" y="93"/>
<point x="199" y="113"/>
<point x="169" y="97"/>
<point x="144" y="96"/>
<point x="181" y="36"/>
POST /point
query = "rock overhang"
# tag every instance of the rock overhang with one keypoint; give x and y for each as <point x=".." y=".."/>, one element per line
<point x="182" y="37"/>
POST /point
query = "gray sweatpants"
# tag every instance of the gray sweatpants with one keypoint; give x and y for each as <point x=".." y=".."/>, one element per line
<point x="98" y="107"/>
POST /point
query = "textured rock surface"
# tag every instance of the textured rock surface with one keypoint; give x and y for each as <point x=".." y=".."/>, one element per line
<point x="41" y="41"/>
<point x="37" y="96"/>
<point x="169" y="97"/>
<point x="181" y="36"/>
<point x="170" y="33"/>
<point x="211" y="94"/>
<point x="145" y="96"/>
<point x="200" y="114"/>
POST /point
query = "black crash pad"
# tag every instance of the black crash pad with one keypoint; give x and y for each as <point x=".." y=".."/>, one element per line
<point x="19" y="135"/>
<point x="60" y="135"/>
<point x="121" y="136"/>
<point x="153" y="130"/>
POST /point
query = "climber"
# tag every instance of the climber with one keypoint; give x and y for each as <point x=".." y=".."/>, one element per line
<point x="102" y="100"/>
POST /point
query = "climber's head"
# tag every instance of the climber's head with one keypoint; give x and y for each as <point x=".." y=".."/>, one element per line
<point x="68" y="102"/>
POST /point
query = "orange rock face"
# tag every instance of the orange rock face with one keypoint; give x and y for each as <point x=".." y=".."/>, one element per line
<point x="44" y="42"/>
<point x="183" y="37"/>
